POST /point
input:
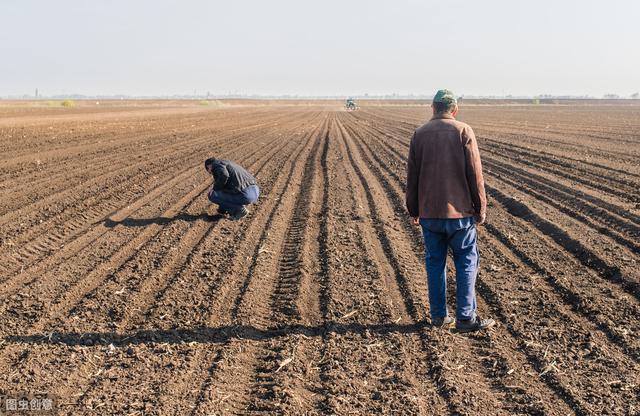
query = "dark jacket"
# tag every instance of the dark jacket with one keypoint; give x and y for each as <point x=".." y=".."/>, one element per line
<point x="230" y="177"/>
<point x="444" y="173"/>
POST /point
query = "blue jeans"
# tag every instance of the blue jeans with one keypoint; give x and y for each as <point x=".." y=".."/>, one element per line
<point x="233" y="202"/>
<point x="460" y="236"/>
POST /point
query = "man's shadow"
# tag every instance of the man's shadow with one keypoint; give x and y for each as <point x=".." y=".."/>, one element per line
<point x="206" y="335"/>
<point x="143" y="222"/>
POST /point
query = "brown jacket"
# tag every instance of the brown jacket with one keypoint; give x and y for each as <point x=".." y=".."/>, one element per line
<point x="444" y="173"/>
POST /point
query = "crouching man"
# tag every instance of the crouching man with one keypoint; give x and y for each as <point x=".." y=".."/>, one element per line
<point x="233" y="188"/>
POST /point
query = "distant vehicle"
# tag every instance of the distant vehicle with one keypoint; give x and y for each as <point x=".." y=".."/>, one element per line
<point x="351" y="104"/>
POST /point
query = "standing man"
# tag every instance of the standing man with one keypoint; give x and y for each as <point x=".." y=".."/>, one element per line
<point x="233" y="187"/>
<point x="445" y="195"/>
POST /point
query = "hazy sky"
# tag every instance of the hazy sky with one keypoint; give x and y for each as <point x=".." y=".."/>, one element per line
<point x="156" y="47"/>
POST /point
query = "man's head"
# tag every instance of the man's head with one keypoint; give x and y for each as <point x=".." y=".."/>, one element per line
<point x="208" y="164"/>
<point x="445" y="102"/>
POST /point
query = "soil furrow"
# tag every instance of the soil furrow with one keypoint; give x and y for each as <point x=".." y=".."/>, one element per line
<point x="612" y="215"/>
<point x="403" y="305"/>
<point x="587" y="215"/>
<point x="596" y="180"/>
<point x="235" y="368"/>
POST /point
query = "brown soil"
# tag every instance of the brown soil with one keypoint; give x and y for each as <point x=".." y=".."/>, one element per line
<point x="123" y="293"/>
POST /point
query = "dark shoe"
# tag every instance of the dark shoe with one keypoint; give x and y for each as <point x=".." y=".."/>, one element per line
<point x="440" y="322"/>
<point x="223" y="211"/>
<point x="241" y="213"/>
<point x="477" y="324"/>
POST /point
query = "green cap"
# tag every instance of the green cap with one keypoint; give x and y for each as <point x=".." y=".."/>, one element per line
<point x="445" y="96"/>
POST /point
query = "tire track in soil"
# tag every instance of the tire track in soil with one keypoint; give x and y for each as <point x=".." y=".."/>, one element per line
<point x="323" y="279"/>
<point x="257" y="387"/>
<point x="235" y="369"/>
<point x="111" y="374"/>
<point x="296" y="388"/>
<point x="556" y="385"/>
<point x="394" y="347"/>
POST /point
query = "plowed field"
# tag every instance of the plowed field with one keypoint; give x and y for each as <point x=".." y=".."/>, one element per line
<point x="122" y="292"/>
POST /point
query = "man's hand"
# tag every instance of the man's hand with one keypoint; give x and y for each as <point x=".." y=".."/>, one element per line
<point x="480" y="219"/>
<point x="415" y="220"/>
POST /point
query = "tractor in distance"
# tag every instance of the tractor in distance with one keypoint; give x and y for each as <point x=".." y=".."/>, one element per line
<point x="351" y="105"/>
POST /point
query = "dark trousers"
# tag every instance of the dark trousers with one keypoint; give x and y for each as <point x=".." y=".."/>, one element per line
<point x="233" y="202"/>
